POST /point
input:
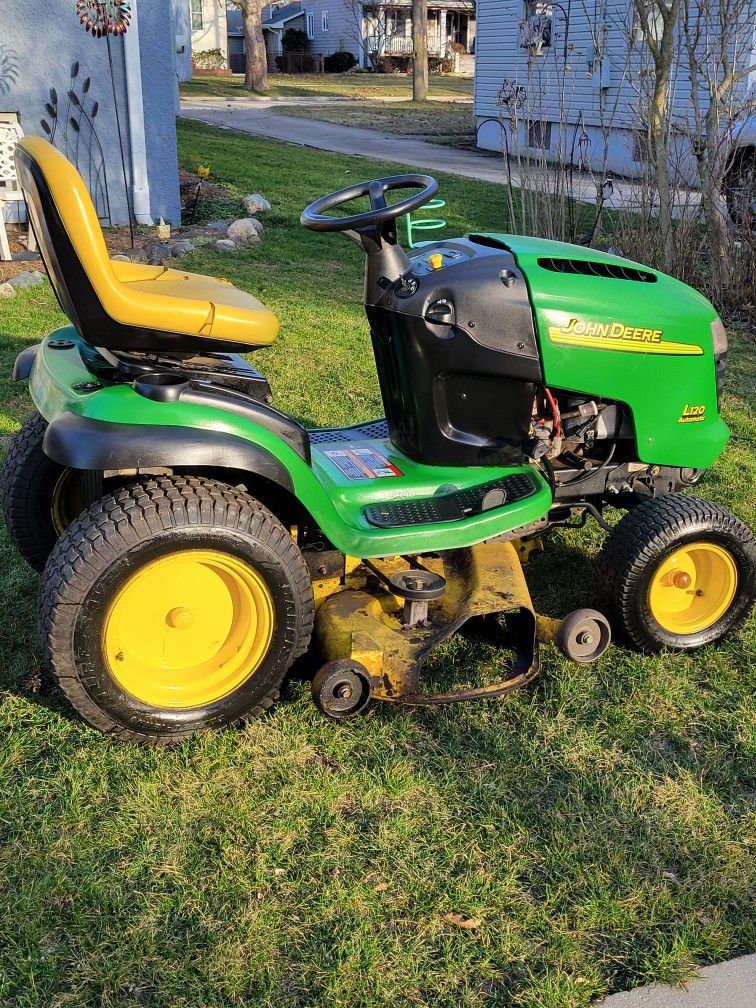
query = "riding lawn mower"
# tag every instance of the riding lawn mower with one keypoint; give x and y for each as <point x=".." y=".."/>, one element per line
<point x="194" y="541"/>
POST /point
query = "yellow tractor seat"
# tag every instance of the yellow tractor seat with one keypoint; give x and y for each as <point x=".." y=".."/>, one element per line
<point x="119" y="305"/>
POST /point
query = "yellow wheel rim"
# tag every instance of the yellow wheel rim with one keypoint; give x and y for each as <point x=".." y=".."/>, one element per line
<point x="693" y="588"/>
<point x="188" y="629"/>
<point x="66" y="501"/>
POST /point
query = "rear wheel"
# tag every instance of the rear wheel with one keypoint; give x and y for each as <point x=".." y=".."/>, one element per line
<point x="174" y="605"/>
<point x="678" y="572"/>
<point x="40" y="497"/>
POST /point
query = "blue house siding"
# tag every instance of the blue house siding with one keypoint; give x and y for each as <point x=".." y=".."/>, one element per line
<point x="39" y="59"/>
<point x="583" y="93"/>
<point x="341" y="30"/>
<point x="182" y="31"/>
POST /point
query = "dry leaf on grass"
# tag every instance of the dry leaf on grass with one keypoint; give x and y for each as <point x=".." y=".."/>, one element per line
<point x="463" y="921"/>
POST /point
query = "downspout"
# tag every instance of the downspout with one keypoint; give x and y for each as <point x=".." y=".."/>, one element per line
<point x="140" y="186"/>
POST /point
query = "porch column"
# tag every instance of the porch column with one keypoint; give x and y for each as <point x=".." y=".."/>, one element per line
<point x="442" y="32"/>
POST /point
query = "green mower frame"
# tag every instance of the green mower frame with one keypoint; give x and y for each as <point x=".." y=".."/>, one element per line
<point x="194" y="540"/>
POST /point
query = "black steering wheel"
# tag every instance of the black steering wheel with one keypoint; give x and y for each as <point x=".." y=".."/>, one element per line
<point x="380" y="213"/>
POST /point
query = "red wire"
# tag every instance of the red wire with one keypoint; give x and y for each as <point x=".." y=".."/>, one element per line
<point x="554" y="412"/>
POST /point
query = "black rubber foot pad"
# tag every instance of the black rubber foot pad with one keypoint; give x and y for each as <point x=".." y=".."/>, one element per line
<point x="454" y="506"/>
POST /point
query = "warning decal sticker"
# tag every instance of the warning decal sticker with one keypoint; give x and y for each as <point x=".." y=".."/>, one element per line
<point x="361" y="463"/>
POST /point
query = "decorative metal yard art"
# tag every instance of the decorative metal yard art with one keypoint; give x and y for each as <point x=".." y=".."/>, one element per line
<point x="71" y="124"/>
<point x="104" y="18"/>
<point x="109" y="17"/>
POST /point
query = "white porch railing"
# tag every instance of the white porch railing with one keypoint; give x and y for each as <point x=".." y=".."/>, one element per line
<point x="401" y="45"/>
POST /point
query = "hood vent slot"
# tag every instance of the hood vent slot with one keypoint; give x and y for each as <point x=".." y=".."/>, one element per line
<point x="606" y="270"/>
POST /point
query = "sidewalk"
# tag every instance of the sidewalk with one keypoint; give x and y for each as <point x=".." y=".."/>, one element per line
<point x="729" y="984"/>
<point x="266" y="118"/>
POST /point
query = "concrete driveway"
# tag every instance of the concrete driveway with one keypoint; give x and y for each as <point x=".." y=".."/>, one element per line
<point x="267" y="118"/>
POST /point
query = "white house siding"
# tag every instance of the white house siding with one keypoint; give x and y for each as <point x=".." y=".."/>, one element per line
<point x="213" y="34"/>
<point x="582" y="93"/>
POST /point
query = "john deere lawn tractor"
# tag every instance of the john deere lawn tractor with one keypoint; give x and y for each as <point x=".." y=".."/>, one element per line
<point x="194" y="541"/>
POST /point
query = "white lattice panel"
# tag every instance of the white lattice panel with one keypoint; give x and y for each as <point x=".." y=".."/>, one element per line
<point x="10" y="134"/>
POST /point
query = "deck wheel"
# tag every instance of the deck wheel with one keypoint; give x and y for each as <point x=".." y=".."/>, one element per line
<point x="583" y="635"/>
<point x="342" y="689"/>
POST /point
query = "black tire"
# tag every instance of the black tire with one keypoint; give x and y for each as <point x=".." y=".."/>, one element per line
<point x="29" y="482"/>
<point x="342" y="689"/>
<point x="644" y="539"/>
<point x="117" y="536"/>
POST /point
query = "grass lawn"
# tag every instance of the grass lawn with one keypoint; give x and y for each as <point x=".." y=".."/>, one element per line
<point x="349" y="85"/>
<point x="599" y="823"/>
<point x="450" y="122"/>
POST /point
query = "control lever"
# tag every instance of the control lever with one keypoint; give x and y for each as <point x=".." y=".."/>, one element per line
<point x="440" y="312"/>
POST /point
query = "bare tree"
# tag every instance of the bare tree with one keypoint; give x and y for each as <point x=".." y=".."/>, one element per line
<point x="657" y="22"/>
<point x="420" y="50"/>
<point x="256" y="72"/>
<point x="718" y="39"/>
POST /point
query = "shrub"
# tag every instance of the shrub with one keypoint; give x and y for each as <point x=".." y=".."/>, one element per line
<point x="209" y="59"/>
<point x="440" y="64"/>
<point x="295" y="40"/>
<point x="394" y="64"/>
<point x="339" y="62"/>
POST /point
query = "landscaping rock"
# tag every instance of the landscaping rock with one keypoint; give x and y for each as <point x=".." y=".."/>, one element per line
<point x="218" y="225"/>
<point x="29" y="278"/>
<point x="224" y="245"/>
<point x="157" y="253"/>
<point x="7" y="291"/>
<point x="246" y="231"/>
<point x="255" y="203"/>
<point x="183" y="247"/>
<point x="120" y="257"/>
<point x="26" y="256"/>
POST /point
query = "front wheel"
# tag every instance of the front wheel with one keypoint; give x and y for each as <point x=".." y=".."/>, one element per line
<point x="174" y="605"/>
<point x="678" y="572"/>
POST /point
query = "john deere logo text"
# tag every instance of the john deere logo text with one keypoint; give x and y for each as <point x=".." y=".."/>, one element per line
<point x="618" y="336"/>
<point x="691" y="414"/>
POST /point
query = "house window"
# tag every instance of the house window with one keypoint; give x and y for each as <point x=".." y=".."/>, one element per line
<point x="648" y="25"/>
<point x="324" y="20"/>
<point x="196" y="9"/>
<point x="535" y="28"/>
<point x="539" y="134"/>
<point x="310" y="26"/>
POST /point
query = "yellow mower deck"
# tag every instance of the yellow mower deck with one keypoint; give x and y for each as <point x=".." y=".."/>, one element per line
<point x="359" y="619"/>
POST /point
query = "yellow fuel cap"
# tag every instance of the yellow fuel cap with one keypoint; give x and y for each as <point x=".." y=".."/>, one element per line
<point x="436" y="260"/>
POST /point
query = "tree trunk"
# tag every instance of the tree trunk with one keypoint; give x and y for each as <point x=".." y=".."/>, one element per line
<point x="660" y="158"/>
<point x="256" y="72"/>
<point x="420" y="46"/>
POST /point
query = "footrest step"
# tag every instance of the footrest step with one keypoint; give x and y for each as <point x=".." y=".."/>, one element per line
<point x="452" y="507"/>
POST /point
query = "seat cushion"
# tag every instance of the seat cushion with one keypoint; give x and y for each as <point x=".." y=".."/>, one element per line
<point x="233" y="314"/>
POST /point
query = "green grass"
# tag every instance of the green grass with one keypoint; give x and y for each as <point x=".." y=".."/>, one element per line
<point x="451" y="122"/>
<point x="599" y="822"/>
<point x="350" y="85"/>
